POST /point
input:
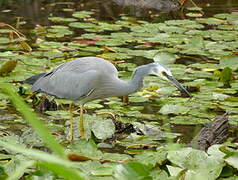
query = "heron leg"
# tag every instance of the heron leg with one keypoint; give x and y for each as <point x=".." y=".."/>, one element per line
<point x="81" y="126"/>
<point x="71" y="130"/>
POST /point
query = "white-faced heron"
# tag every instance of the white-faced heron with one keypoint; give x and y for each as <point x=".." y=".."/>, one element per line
<point x="89" y="78"/>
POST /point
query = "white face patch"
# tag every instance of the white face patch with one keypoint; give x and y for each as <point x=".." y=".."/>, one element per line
<point x="159" y="70"/>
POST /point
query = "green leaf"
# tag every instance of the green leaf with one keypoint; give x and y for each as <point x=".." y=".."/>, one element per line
<point x="174" y="171"/>
<point x="103" y="128"/>
<point x="132" y="170"/>
<point x="63" y="171"/>
<point x="233" y="161"/>
<point x="20" y="170"/>
<point x="226" y="76"/>
<point x="210" y="21"/>
<point x="151" y="158"/>
<point x="82" y="14"/>
<point x="62" y="167"/>
<point x="174" y="109"/>
<point x="165" y="58"/>
<point x="39" y="127"/>
<point x="4" y="40"/>
<point x="198" y="164"/>
<point x="229" y="61"/>
<point x="8" y="67"/>
<point x="62" y="19"/>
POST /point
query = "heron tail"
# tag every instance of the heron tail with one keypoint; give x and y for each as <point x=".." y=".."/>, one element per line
<point x="34" y="78"/>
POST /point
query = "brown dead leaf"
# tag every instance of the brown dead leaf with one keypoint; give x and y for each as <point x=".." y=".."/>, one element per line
<point x="76" y="157"/>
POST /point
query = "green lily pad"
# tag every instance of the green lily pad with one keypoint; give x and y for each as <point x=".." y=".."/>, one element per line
<point x="82" y="14"/>
<point x="197" y="164"/>
<point x="165" y="58"/>
<point x="62" y="19"/>
<point x="4" y="40"/>
<point x="152" y="158"/>
<point x="229" y="61"/>
<point x="210" y="21"/>
<point x="173" y="109"/>
<point x="103" y="128"/>
<point x="131" y="170"/>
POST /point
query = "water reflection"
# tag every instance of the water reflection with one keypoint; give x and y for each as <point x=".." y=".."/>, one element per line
<point x="160" y="5"/>
<point x="37" y="11"/>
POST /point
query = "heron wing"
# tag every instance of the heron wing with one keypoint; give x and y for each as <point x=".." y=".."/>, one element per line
<point x="85" y="64"/>
<point x="75" y="79"/>
<point x="67" y="84"/>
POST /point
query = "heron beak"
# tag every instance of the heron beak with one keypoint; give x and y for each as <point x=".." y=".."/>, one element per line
<point x="177" y="84"/>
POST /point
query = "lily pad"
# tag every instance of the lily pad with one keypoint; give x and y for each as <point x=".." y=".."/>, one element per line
<point x="197" y="164"/>
<point x="165" y="58"/>
<point x="229" y="61"/>
<point x="103" y="128"/>
<point x="173" y="109"/>
<point x="132" y="170"/>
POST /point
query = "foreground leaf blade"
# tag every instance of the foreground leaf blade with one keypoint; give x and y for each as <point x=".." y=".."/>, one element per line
<point x="39" y="127"/>
<point x="61" y="167"/>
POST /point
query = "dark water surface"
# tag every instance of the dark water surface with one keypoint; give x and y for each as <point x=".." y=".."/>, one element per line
<point x="34" y="12"/>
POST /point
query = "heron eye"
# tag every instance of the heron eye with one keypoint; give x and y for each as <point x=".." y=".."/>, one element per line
<point x="164" y="73"/>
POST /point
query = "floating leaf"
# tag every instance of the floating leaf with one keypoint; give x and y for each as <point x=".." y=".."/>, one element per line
<point x="233" y="161"/>
<point x="210" y="21"/>
<point x="82" y="14"/>
<point x="194" y="14"/>
<point x="173" y="109"/>
<point x="165" y="58"/>
<point x="197" y="164"/>
<point x="194" y="8"/>
<point x="229" y="61"/>
<point x="152" y="158"/>
<point x="4" y="40"/>
<point x="103" y="128"/>
<point x="131" y="170"/>
<point x="62" y="19"/>
<point x="8" y="67"/>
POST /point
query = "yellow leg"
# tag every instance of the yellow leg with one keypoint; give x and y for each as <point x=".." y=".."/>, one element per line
<point x="71" y="130"/>
<point x="81" y="126"/>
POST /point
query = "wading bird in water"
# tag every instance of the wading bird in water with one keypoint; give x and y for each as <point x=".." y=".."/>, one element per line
<point x="89" y="78"/>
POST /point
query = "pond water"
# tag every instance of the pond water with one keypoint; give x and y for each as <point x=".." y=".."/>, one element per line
<point x="33" y="14"/>
<point x="37" y="11"/>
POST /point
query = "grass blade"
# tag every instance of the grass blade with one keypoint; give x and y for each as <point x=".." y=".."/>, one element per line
<point x="34" y="121"/>
<point x="59" y="166"/>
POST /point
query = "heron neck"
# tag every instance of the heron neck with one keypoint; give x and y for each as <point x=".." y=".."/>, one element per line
<point x="120" y="87"/>
<point x="137" y="78"/>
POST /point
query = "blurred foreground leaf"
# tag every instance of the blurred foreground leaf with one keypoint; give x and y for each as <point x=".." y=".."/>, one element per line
<point x="32" y="119"/>
<point x="61" y="167"/>
<point x="132" y="170"/>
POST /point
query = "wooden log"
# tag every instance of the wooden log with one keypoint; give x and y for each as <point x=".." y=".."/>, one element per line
<point x="213" y="133"/>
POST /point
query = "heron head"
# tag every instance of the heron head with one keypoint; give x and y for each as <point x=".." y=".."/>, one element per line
<point x="163" y="72"/>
